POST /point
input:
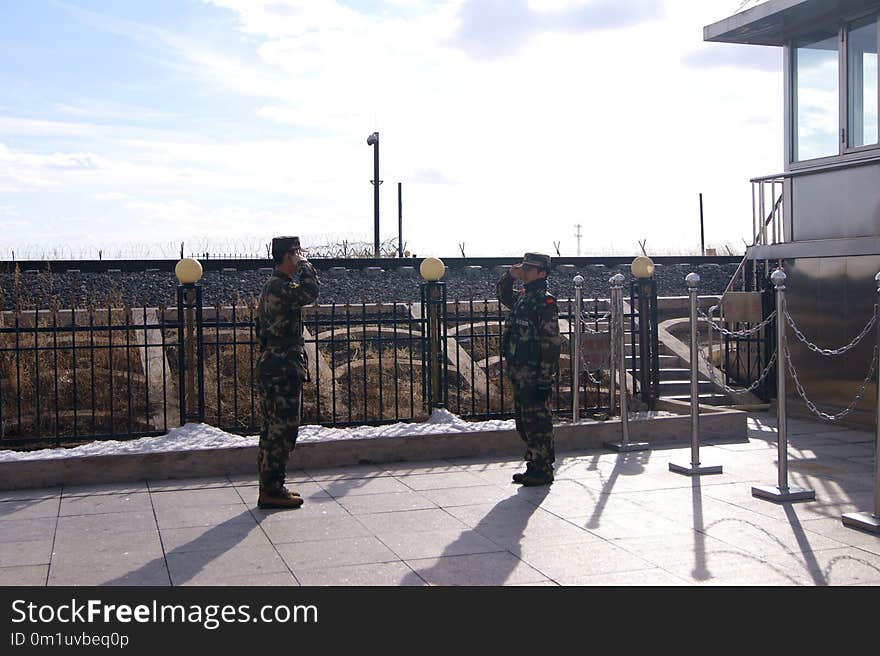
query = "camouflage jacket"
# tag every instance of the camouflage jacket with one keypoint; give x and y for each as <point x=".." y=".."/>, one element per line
<point x="530" y="343"/>
<point x="279" y="325"/>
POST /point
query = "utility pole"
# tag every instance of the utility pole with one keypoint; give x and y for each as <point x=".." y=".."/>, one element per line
<point x="399" y="219"/>
<point x="702" y="235"/>
<point x="578" y="235"/>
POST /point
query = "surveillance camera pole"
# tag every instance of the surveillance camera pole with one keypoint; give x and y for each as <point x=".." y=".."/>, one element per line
<point x="373" y="140"/>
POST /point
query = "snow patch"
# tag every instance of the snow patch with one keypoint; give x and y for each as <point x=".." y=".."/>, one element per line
<point x="193" y="437"/>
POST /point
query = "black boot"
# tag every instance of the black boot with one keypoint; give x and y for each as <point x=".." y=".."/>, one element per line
<point x="520" y="477"/>
<point x="537" y="477"/>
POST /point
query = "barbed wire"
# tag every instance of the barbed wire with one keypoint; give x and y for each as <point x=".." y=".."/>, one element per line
<point x="812" y="406"/>
<point x="829" y="352"/>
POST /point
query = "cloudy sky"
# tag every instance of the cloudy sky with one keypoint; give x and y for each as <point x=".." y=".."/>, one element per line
<point x="132" y="126"/>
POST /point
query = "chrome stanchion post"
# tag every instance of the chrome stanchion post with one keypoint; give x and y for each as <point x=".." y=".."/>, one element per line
<point x="619" y="338"/>
<point x="693" y="280"/>
<point x="871" y="521"/>
<point x="576" y="350"/>
<point x="782" y="491"/>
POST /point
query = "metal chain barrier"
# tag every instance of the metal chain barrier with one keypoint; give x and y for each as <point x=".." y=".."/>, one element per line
<point x="738" y="333"/>
<point x="829" y="352"/>
<point x="586" y="319"/>
<point x="730" y="390"/>
<point x="812" y="406"/>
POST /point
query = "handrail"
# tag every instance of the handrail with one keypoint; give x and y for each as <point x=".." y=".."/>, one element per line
<point x="739" y="270"/>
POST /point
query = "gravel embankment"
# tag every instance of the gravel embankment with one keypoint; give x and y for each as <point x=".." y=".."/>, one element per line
<point x="152" y="287"/>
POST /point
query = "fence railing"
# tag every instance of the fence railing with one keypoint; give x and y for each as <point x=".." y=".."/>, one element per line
<point x="70" y="376"/>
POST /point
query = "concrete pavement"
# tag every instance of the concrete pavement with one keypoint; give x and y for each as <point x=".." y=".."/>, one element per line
<point x="609" y="519"/>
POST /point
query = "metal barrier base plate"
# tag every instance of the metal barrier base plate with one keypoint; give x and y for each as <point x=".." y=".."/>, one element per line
<point x="698" y="470"/>
<point x="778" y="494"/>
<point x="629" y="446"/>
<point x="863" y="521"/>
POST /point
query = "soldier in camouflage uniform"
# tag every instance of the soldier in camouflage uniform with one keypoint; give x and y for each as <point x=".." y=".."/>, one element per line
<point x="282" y="368"/>
<point x="531" y="345"/>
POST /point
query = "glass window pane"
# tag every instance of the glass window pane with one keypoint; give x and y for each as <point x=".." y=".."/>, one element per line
<point x="862" y="66"/>
<point x="816" y="102"/>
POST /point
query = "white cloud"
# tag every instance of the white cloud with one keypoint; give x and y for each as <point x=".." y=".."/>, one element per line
<point x="608" y="129"/>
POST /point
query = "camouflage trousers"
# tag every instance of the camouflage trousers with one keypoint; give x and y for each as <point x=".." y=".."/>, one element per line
<point x="280" y="408"/>
<point x="534" y="423"/>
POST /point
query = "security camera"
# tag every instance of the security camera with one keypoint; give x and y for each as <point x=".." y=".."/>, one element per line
<point x="373" y="139"/>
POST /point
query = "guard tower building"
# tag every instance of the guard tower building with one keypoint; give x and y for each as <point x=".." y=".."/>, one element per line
<point x="820" y="218"/>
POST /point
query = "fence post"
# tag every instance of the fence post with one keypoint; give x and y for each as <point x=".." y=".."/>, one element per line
<point x="576" y="349"/>
<point x="693" y="281"/>
<point x="189" y="321"/>
<point x="871" y="521"/>
<point x="619" y="337"/>
<point x="782" y="491"/>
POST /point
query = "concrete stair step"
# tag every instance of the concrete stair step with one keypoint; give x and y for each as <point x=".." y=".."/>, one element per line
<point x="675" y="387"/>
<point x="705" y="399"/>
<point x="678" y="375"/>
<point x="665" y="361"/>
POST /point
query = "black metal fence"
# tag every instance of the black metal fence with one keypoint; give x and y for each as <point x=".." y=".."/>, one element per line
<point x="86" y="374"/>
<point x="71" y="376"/>
<point x="746" y="357"/>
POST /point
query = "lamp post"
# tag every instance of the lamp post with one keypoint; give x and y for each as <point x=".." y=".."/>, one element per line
<point x="189" y="303"/>
<point x="373" y="140"/>
<point x="642" y="269"/>
<point x="434" y="307"/>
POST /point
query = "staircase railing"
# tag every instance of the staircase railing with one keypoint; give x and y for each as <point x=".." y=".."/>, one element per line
<point x="767" y="229"/>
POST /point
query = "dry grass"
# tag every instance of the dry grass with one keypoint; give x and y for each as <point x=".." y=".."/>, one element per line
<point x="59" y="382"/>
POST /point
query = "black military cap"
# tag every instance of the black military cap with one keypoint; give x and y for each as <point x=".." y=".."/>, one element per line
<point x="539" y="260"/>
<point x="280" y="245"/>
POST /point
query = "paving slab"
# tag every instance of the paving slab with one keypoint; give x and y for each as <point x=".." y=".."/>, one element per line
<point x="351" y="487"/>
<point x="487" y="569"/>
<point x="297" y="527"/>
<point x="30" y="494"/>
<point x="568" y="562"/>
<point x="373" y="574"/>
<point x="29" y="508"/>
<point x="609" y="519"/>
<point x="218" y="566"/>
<point x="26" y="575"/>
<point x="208" y="538"/>
<point x="434" y="544"/>
<point x="22" y="530"/>
<point x="321" y="554"/>
<point x="27" y="552"/>
<point x="383" y="503"/>
<point x="102" y="504"/>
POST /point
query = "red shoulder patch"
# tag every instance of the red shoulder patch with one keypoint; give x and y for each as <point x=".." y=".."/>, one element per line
<point x="549" y="300"/>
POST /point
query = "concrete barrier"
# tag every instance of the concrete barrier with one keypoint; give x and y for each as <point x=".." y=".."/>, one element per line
<point x="715" y="425"/>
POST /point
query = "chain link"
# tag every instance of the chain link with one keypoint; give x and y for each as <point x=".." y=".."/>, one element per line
<point x="829" y="352"/>
<point x="812" y="406"/>
<point x="737" y="333"/>
<point x="731" y="390"/>
<point x="587" y="320"/>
